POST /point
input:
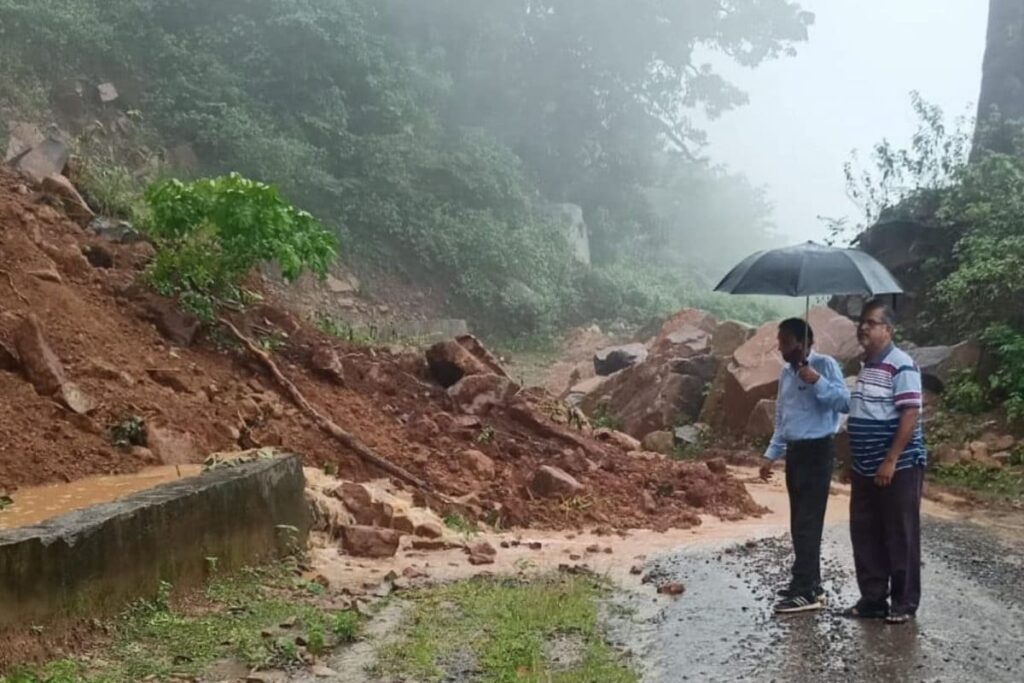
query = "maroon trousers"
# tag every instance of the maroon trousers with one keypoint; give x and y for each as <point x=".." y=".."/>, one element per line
<point x="885" y="529"/>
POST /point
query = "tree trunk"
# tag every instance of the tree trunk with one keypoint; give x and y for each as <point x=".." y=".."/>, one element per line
<point x="1002" y="84"/>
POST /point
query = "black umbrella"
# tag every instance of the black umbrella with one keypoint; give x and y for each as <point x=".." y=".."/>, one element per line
<point x="810" y="270"/>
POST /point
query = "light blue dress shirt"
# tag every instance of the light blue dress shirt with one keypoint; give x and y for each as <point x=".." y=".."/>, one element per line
<point x="808" y="411"/>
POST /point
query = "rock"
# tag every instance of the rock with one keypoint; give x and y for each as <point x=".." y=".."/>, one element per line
<point x="99" y="256"/>
<point x="430" y="544"/>
<point x="358" y="502"/>
<point x="717" y="466"/>
<point x="477" y="394"/>
<point x="478" y="463"/>
<point x="998" y="442"/>
<point x="729" y="336"/>
<point x="118" y="231"/>
<point x="68" y="258"/>
<point x="107" y="93"/>
<point x="44" y="160"/>
<point x="8" y="359"/>
<point x="481" y="553"/>
<point x="176" y="325"/>
<point x="753" y="374"/>
<point x="450" y="362"/>
<point x="939" y="364"/>
<point x="648" y="502"/>
<point x="74" y="399"/>
<point x="172" y="378"/>
<point x="400" y="522"/>
<point x="21" y="138"/>
<point x="945" y="454"/>
<point x="578" y="392"/>
<point x="687" y="435"/>
<point x="321" y="671"/>
<point x="371" y="542"/>
<point x="47" y="275"/>
<point x="979" y="454"/>
<point x="623" y="441"/>
<point x="326" y="363"/>
<point x="703" y="367"/>
<point x="74" y="204"/>
<point x="431" y="530"/>
<point x="551" y="482"/>
<point x="100" y="369"/>
<point x="610" y="360"/>
<point x="761" y="424"/>
<point x="648" y="397"/>
<point x="422" y="430"/>
<point x="170" y="446"/>
<point x="40" y="364"/>
<point x="659" y="442"/>
<point x="671" y="589"/>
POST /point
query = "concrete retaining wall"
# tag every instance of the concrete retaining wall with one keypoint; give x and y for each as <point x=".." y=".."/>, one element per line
<point x="94" y="561"/>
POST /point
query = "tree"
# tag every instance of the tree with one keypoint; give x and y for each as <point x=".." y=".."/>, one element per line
<point x="1001" y="102"/>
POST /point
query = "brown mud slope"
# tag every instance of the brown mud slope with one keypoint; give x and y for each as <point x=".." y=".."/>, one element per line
<point x="111" y="338"/>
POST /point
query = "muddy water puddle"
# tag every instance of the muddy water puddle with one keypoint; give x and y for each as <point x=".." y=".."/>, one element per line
<point x="38" y="504"/>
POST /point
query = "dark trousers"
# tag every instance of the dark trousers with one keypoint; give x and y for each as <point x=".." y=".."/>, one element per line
<point x="809" y="466"/>
<point x="885" y="528"/>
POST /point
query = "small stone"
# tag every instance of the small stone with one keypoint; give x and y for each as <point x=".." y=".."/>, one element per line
<point x="671" y="589"/>
<point x="636" y="570"/>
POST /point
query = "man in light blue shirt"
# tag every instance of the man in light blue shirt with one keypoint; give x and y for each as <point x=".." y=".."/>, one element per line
<point x="812" y="395"/>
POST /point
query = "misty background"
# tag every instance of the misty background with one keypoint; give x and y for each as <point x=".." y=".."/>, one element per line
<point x="847" y="88"/>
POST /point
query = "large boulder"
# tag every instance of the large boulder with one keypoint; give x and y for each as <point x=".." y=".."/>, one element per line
<point x="649" y="397"/>
<point x="552" y="482"/>
<point x="729" y="336"/>
<point x="939" y="364"/>
<point x="40" y="364"/>
<point x="74" y="204"/>
<point x="687" y="333"/>
<point x="450" y="361"/>
<point x="901" y="246"/>
<point x="371" y="542"/>
<point x="753" y="373"/>
<point x="477" y="394"/>
<point x="610" y="360"/>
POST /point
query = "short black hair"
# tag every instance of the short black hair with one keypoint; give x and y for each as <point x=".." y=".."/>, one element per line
<point x="888" y="317"/>
<point x="798" y="328"/>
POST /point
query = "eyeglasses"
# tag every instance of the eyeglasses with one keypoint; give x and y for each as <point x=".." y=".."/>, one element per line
<point x="873" y="323"/>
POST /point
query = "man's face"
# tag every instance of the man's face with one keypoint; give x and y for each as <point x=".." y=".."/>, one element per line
<point x="873" y="332"/>
<point x="791" y="348"/>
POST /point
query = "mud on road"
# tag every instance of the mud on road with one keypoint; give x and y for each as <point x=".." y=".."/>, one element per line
<point x="970" y="625"/>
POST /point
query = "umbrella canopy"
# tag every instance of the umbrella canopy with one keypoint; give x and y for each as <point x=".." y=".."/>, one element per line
<point x="810" y="270"/>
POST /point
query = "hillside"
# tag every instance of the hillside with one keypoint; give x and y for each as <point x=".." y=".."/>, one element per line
<point x="109" y="360"/>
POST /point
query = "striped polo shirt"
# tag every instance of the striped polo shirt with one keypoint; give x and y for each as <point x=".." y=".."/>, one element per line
<point x="884" y="388"/>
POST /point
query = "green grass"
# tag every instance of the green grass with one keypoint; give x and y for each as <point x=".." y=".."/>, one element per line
<point x="502" y="630"/>
<point x="1006" y="483"/>
<point x="155" y="639"/>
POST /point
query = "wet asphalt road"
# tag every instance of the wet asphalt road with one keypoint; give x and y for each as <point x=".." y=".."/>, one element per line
<point x="970" y="626"/>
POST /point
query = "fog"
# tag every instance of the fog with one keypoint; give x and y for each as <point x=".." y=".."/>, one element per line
<point x="847" y="88"/>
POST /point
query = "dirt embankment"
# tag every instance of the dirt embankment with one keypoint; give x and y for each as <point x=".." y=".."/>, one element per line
<point x="128" y="354"/>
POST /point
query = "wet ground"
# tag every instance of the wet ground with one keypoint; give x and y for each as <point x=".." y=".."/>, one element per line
<point x="970" y="626"/>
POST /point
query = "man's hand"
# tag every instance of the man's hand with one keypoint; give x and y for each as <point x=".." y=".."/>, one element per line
<point x="885" y="473"/>
<point x="808" y="374"/>
<point x="766" y="471"/>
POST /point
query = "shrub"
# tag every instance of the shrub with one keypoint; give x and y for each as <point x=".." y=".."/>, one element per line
<point x="209" y="235"/>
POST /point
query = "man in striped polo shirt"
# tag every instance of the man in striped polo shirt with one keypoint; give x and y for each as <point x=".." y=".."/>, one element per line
<point x="888" y="471"/>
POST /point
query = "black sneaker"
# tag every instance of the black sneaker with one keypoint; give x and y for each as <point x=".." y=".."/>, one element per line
<point x="897" y="618"/>
<point x="866" y="611"/>
<point x="799" y="603"/>
<point x="819" y="593"/>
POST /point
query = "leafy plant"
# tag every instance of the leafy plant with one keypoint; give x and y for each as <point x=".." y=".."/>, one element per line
<point x="209" y="235"/>
<point x="1008" y="380"/>
<point x="131" y="431"/>
<point x="963" y="393"/>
